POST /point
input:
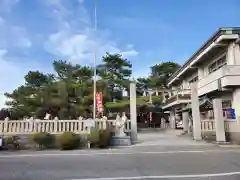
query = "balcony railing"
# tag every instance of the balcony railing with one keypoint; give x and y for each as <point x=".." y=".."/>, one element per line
<point x="226" y="76"/>
<point x="178" y="96"/>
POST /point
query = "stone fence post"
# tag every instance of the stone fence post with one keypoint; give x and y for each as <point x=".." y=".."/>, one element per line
<point x="5" y="126"/>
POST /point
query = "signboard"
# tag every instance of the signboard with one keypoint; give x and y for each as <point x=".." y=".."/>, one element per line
<point x="89" y="123"/>
<point x="99" y="98"/>
<point x="233" y="113"/>
<point x="229" y="113"/>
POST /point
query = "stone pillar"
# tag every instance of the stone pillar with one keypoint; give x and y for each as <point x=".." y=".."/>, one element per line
<point x="190" y="125"/>
<point x="219" y="120"/>
<point x="133" y="112"/>
<point x="5" y="125"/>
<point x="172" y="119"/>
<point x="195" y="113"/>
<point x="185" y="121"/>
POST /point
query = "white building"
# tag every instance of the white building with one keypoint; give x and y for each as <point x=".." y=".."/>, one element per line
<point x="208" y="85"/>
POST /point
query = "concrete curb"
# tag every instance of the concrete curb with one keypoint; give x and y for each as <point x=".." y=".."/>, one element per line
<point x="229" y="145"/>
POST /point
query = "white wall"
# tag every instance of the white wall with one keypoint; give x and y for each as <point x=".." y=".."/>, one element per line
<point x="233" y="54"/>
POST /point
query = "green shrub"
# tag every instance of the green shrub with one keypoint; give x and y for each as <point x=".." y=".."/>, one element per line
<point x="99" y="138"/>
<point x="104" y="138"/>
<point x="11" y="143"/>
<point x="43" y="140"/>
<point x="69" y="141"/>
<point x="93" y="138"/>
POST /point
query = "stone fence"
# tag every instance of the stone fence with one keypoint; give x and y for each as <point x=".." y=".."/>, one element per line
<point x="24" y="127"/>
<point x="209" y="125"/>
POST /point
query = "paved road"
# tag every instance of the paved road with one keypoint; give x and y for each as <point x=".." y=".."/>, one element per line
<point x="168" y="161"/>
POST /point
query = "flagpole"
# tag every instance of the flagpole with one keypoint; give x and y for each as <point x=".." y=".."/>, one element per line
<point x="94" y="63"/>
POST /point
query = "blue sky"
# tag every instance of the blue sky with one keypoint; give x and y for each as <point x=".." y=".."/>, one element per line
<point x="33" y="33"/>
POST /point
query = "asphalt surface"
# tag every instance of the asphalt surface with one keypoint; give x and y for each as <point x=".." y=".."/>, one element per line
<point x="146" y="161"/>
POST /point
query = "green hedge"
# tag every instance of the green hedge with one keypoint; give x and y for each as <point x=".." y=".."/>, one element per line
<point x="69" y="141"/>
<point x="43" y="140"/>
<point x="11" y="143"/>
<point x="99" y="138"/>
<point x="65" y="141"/>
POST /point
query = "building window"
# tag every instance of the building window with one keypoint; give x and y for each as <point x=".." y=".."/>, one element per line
<point x="227" y="109"/>
<point x="217" y="64"/>
<point x="195" y="79"/>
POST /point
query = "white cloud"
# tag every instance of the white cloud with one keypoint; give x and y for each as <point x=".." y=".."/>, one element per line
<point x="76" y="40"/>
<point x="81" y="1"/>
<point x="10" y="76"/>
<point x="21" y="38"/>
<point x="129" y="53"/>
<point x="13" y="36"/>
<point x="130" y="46"/>
<point x="7" y="5"/>
<point x="74" y="47"/>
<point x="1" y="20"/>
<point x="79" y="48"/>
<point x="12" y="73"/>
<point x="73" y="39"/>
<point x="10" y="34"/>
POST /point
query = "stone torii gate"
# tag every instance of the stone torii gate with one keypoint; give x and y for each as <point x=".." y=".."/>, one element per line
<point x="133" y="113"/>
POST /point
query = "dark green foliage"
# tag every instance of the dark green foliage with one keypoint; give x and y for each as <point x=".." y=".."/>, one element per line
<point x="115" y="72"/>
<point x="69" y="93"/>
<point x="43" y="140"/>
<point x="69" y="141"/>
<point x="104" y="138"/>
<point x="160" y="73"/>
<point x="143" y="84"/>
<point x="11" y="143"/>
<point x="100" y="138"/>
<point x="4" y="113"/>
<point x="37" y="79"/>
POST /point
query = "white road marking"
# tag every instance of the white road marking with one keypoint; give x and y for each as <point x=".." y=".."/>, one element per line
<point x="165" y="177"/>
<point x="115" y="153"/>
<point x="158" y="144"/>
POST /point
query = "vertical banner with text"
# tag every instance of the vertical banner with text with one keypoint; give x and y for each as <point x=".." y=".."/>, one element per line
<point x="99" y="98"/>
<point x="150" y="116"/>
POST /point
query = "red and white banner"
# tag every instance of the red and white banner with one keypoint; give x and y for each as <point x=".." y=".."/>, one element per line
<point x="150" y="116"/>
<point x="99" y="98"/>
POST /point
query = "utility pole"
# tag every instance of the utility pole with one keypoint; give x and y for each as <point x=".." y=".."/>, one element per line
<point x="94" y="63"/>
